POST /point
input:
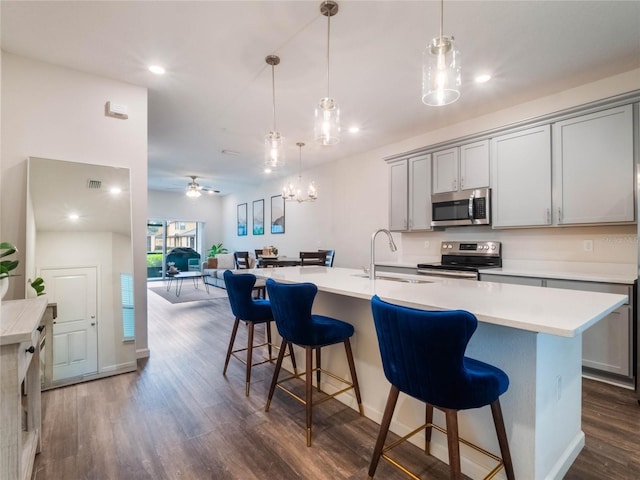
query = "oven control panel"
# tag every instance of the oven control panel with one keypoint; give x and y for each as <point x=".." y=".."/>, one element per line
<point x="470" y="248"/>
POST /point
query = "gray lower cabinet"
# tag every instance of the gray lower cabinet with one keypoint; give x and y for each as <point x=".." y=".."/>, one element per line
<point x="607" y="346"/>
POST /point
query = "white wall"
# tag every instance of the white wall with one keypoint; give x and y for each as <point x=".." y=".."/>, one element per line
<point x="55" y="112"/>
<point x="177" y="206"/>
<point x="353" y="201"/>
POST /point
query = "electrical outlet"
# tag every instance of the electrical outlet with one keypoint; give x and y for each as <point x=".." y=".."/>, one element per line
<point x="426" y="244"/>
<point x="587" y="245"/>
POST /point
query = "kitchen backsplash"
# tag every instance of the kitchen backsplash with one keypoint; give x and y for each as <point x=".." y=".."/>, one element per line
<point x="606" y="244"/>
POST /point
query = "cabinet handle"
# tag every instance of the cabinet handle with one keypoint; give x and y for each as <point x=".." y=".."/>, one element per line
<point x="31" y="349"/>
<point x="455" y="184"/>
<point x="559" y="215"/>
<point x="461" y="183"/>
<point x="548" y="215"/>
<point x="40" y="328"/>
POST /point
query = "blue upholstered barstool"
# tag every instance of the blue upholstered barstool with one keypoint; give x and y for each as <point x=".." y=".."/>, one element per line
<point x="423" y="356"/>
<point x="291" y="305"/>
<point x="250" y="310"/>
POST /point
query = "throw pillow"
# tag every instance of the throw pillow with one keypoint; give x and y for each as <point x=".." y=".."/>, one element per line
<point x="212" y="263"/>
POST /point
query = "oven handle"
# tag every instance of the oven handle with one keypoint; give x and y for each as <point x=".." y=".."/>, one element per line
<point x="448" y="273"/>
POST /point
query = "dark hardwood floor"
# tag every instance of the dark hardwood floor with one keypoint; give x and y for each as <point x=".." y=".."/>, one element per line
<point x="177" y="417"/>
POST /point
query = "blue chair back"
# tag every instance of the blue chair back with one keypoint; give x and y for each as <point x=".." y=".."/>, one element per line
<point x="423" y="355"/>
<point x="291" y="306"/>
<point x="239" y="289"/>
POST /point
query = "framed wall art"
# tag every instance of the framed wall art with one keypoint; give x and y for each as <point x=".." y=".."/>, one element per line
<point x="258" y="217"/>
<point x="242" y="219"/>
<point x="277" y="214"/>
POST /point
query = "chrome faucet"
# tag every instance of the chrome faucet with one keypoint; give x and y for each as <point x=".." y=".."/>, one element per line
<point x="392" y="246"/>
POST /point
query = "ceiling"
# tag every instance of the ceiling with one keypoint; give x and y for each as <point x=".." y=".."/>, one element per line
<point x="217" y="92"/>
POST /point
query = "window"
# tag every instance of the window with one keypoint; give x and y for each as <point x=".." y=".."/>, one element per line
<point x="128" y="320"/>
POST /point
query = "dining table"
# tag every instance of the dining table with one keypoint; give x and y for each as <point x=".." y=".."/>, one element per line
<point x="264" y="262"/>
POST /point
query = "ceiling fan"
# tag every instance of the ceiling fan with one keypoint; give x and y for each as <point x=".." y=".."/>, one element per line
<point x="194" y="189"/>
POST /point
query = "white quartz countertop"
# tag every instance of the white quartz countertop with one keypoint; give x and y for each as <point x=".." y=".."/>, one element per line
<point x="546" y="310"/>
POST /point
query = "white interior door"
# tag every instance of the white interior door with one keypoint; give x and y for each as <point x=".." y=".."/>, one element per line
<point x="75" y="337"/>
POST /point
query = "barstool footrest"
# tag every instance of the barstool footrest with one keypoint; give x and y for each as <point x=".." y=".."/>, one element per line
<point x="442" y="430"/>
<point x="328" y="396"/>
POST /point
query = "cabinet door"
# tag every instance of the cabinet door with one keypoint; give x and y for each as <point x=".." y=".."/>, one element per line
<point x="398" y="195"/>
<point x="521" y="178"/>
<point x="511" y="279"/>
<point x="420" y="193"/>
<point x="445" y="171"/>
<point x="607" y="345"/>
<point x="593" y="168"/>
<point x="474" y="165"/>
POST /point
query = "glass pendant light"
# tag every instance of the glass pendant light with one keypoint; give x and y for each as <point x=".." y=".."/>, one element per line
<point x="327" y="113"/>
<point x="274" y="141"/>
<point x="441" y="69"/>
<point x="293" y="192"/>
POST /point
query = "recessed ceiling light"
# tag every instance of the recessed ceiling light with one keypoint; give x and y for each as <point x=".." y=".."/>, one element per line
<point x="485" y="77"/>
<point x="267" y="170"/>
<point x="115" y="190"/>
<point x="73" y="216"/>
<point x="157" y="69"/>
<point x="354" y="129"/>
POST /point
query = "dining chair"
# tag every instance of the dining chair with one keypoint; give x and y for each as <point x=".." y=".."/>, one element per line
<point x="244" y="263"/>
<point x="291" y="306"/>
<point x="329" y="260"/>
<point x="423" y="356"/>
<point x="313" y="258"/>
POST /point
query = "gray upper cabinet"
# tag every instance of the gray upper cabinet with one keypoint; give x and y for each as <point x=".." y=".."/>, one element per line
<point x="398" y="195"/>
<point x="593" y="168"/>
<point x="521" y="178"/>
<point x="445" y="170"/>
<point x="410" y="194"/>
<point x="461" y="168"/>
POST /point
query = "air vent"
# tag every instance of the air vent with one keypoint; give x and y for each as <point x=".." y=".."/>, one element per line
<point x="94" y="184"/>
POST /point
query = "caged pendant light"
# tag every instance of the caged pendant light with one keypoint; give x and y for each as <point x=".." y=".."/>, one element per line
<point x="327" y="113"/>
<point x="441" y="69"/>
<point x="293" y="192"/>
<point x="274" y="141"/>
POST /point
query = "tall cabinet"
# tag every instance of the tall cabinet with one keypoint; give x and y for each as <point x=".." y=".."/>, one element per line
<point x="410" y="193"/>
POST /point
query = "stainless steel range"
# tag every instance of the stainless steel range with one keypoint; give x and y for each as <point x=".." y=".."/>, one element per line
<point x="464" y="259"/>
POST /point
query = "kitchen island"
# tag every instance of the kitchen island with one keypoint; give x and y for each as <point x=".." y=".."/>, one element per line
<point x="534" y="334"/>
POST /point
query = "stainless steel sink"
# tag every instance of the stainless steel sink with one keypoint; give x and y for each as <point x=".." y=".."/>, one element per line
<point x="392" y="279"/>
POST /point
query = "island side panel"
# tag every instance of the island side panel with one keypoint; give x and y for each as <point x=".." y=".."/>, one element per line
<point x="514" y="350"/>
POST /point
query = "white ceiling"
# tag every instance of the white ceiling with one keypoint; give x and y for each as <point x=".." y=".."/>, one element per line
<point x="216" y="93"/>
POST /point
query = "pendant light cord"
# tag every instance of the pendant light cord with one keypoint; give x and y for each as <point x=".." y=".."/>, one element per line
<point x="441" y="16"/>
<point x="273" y="91"/>
<point x="328" y="41"/>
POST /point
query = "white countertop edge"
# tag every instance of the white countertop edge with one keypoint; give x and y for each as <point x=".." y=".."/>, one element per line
<point x="565" y="313"/>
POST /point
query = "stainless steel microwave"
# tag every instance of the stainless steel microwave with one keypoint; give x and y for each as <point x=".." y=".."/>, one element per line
<point x="467" y="207"/>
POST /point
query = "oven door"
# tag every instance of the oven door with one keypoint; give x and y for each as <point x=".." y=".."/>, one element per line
<point x="466" y="274"/>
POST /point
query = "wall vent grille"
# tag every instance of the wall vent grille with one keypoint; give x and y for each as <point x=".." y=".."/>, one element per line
<point x="94" y="184"/>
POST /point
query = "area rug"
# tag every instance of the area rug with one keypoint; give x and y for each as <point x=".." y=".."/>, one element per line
<point x="188" y="293"/>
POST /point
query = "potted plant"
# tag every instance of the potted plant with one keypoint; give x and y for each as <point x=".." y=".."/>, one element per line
<point x="7" y="266"/>
<point x="216" y="249"/>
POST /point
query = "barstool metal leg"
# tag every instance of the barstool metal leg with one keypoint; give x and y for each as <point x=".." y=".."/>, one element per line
<point x="498" y="421"/>
<point x="249" y="357"/>
<point x="453" y="443"/>
<point x="268" y="328"/>
<point x="392" y="399"/>
<point x="293" y="358"/>
<point x="318" y="366"/>
<point x="309" y="390"/>
<point x="231" y="341"/>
